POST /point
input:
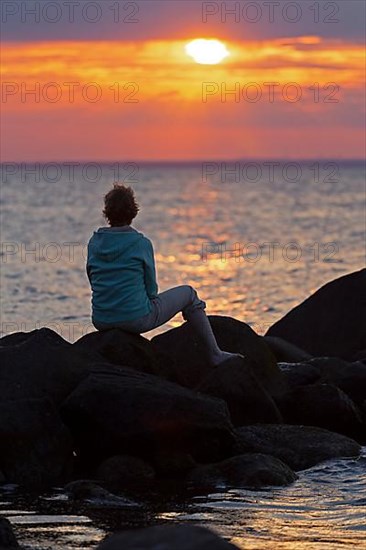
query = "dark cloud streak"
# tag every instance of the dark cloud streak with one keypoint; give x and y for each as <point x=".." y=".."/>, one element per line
<point x="168" y="19"/>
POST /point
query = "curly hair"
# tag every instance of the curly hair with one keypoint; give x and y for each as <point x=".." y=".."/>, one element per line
<point x="120" y="206"/>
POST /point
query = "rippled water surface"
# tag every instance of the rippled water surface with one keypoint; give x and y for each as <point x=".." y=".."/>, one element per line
<point x="253" y="250"/>
<point x="324" y="509"/>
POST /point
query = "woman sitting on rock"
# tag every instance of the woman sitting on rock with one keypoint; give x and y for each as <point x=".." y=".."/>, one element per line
<point x="121" y="271"/>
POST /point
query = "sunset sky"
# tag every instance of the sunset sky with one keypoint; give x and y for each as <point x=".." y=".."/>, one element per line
<point x="129" y="91"/>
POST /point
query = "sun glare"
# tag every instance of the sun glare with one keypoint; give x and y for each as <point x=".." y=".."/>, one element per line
<point x="207" y="51"/>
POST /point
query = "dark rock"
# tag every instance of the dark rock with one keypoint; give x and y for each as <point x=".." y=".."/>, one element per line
<point x="41" y="363"/>
<point x="173" y="464"/>
<point x="247" y="470"/>
<point x="42" y="334"/>
<point x="349" y="377"/>
<point x="363" y="410"/>
<point x="298" y="446"/>
<point x="128" y="412"/>
<point x="299" y="374"/>
<point x="190" y="366"/>
<point x="247" y="400"/>
<point x="360" y="356"/>
<point x="35" y="445"/>
<point x="126" y="349"/>
<point x="167" y="537"/>
<point x="285" y="352"/>
<point x="89" y="492"/>
<point x="82" y="489"/>
<point x="119" y="472"/>
<point x="331" y="322"/>
<point x="324" y="406"/>
<point x="7" y="537"/>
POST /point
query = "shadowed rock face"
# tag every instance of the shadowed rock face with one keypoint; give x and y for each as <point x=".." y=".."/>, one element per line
<point x="331" y="322"/>
<point x="40" y="335"/>
<point x="7" y="537"/>
<point x="248" y="470"/>
<point x="36" y="448"/>
<point x="299" y="374"/>
<point x="167" y="537"/>
<point x="125" y="349"/>
<point x="121" y="471"/>
<point x="247" y="400"/>
<point x="232" y="335"/>
<point x="284" y="351"/>
<point x="348" y="377"/>
<point x="42" y="364"/>
<point x="325" y="406"/>
<point x="298" y="446"/>
<point x="128" y="412"/>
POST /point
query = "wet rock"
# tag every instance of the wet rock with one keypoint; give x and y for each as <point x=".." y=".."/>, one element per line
<point x="252" y="470"/>
<point x="298" y="446"/>
<point x="299" y="374"/>
<point x="331" y="322"/>
<point x="121" y="471"/>
<point x="36" y="448"/>
<point x="128" y="412"/>
<point x="324" y="406"/>
<point x="167" y="537"/>
<point x="285" y="352"/>
<point x="7" y="537"/>
<point x="41" y="363"/>
<point x="247" y="400"/>
<point x="91" y="493"/>
<point x="125" y="349"/>
<point x="190" y="366"/>
<point x="349" y="377"/>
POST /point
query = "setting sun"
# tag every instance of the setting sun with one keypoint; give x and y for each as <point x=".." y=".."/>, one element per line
<point x="207" y="52"/>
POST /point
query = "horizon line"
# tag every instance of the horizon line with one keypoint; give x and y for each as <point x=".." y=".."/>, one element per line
<point x="187" y="161"/>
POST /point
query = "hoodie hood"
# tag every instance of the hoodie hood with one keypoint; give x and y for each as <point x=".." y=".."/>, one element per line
<point x="110" y="243"/>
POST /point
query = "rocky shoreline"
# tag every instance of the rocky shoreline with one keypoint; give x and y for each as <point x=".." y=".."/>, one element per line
<point x="114" y="414"/>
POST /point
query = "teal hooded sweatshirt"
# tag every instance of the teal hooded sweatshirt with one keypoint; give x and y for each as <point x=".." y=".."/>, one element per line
<point x="121" y="270"/>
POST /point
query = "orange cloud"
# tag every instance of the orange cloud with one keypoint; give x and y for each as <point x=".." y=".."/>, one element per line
<point x="131" y="91"/>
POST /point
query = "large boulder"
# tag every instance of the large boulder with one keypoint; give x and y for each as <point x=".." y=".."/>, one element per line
<point x="285" y="352"/>
<point x="298" y="446"/>
<point x="252" y="470"/>
<point x="40" y="334"/>
<point x="325" y="406"/>
<point x="41" y="363"/>
<point x="331" y="322"/>
<point x="190" y="365"/>
<point x="126" y="349"/>
<point x="36" y="447"/>
<point x="167" y="537"/>
<point x="349" y="377"/>
<point x="247" y="400"/>
<point x="299" y="374"/>
<point x="123" y="411"/>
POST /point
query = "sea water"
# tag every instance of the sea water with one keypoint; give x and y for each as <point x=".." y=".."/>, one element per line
<point x="253" y="248"/>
